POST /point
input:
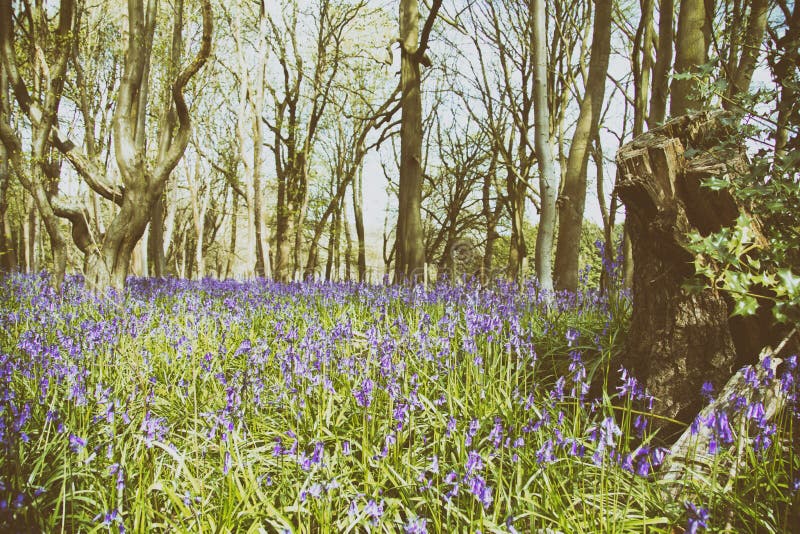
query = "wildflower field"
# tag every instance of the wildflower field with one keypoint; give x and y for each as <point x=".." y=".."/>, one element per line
<point x="258" y="407"/>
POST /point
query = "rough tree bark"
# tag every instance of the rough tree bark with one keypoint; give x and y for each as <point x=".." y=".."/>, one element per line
<point x="679" y="339"/>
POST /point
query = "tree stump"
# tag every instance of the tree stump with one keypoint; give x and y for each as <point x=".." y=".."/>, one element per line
<point x="678" y="339"/>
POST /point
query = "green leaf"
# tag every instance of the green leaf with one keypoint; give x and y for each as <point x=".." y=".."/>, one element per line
<point x="746" y="305"/>
<point x="716" y="184"/>
<point x="790" y="282"/>
<point x="778" y="313"/>
<point x="736" y="282"/>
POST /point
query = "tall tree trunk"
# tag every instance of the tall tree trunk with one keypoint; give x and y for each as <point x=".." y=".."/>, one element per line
<point x="573" y="195"/>
<point x="410" y="246"/>
<point x="658" y="102"/>
<point x="410" y="259"/>
<point x="8" y="257"/>
<point x="155" y="241"/>
<point x="42" y="115"/>
<point x="143" y="185"/>
<point x="230" y="257"/>
<point x="358" y="203"/>
<point x="517" y="249"/>
<point x="249" y="128"/>
<point x="787" y="60"/>
<point x="348" y="250"/>
<point x="691" y="51"/>
<point x="548" y="184"/>
<point x="199" y="203"/>
<point x="642" y="65"/>
<point x="29" y="236"/>
<point x="333" y="243"/>
<point x="740" y="76"/>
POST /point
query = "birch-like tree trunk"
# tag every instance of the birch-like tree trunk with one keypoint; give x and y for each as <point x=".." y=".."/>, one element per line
<point x="198" y="200"/>
<point x="250" y="133"/>
<point x="740" y="73"/>
<point x="358" y="212"/>
<point x="548" y="179"/>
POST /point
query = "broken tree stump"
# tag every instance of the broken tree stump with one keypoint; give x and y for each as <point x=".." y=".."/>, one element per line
<point x="679" y="339"/>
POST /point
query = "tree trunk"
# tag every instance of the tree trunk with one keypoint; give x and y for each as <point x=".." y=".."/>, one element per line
<point x="573" y="194"/>
<point x="658" y="102"/>
<point x="155" y="241"/>
<point x="739" y="76"/>
<point x="8" y="258"/>
<point x="348" y="249"/>
<point x="691" y="51"/>
<point x="410" y="246"/>
<point x="358" y="210"/>
<point x="642" y="64"/>
<point x="199" y="204"/>
<point x="677" y="339"/>
<point x="517" y="249"/>
<point x="410" y="256"/>
<point x="333" y="244"/>
<point x="231" y="255"/>
<point x="548" y="179"/>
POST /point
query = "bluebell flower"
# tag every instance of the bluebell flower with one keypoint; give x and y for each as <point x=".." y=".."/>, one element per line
<point x="707" y="390"/>
<point x="416" y="525"/>
<point x="374" y="510"/>
<point x="698" y="518"/>
<point x="76" y="443"/>
<point x="479" y="488"/>
<point x="572" y="336"/>
<point x="451" y="426"/>
<point x="474" y="462"/>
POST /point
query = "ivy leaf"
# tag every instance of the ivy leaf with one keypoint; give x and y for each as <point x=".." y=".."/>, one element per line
<point x="746" y="305"/>
<point x="778" y="313"/>
<point x="790" y="282"/>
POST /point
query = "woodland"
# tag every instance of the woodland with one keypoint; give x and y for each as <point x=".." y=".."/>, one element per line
<point x="356" y="265"/>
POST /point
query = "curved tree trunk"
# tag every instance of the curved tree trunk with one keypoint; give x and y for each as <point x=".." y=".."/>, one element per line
<point x="679" y="339"/>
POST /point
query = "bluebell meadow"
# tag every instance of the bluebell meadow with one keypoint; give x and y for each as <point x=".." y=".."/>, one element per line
<point x="253" y="406"/>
